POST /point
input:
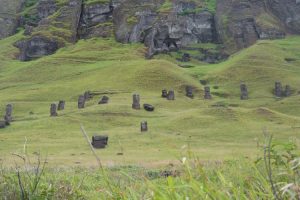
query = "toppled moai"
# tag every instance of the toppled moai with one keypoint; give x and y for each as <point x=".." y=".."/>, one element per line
<point x="144" y="126"/>
<point x="136" y="102"/>
<point x="99" y="141"/>
<point x="81" y="102"/>
<point x="88" y="95"/>
<point x="164" y="93"/>
<point x="278" y="89"/>
<point x="244" y="91"/>
<point x="171" y="95"/>
<point x="207" y="94"/>
<point x="104" y="100"/>
<point x="189" y="91"/>
<point x="149" y="107"/>
<point x="61" y="105"/>
<point x="53" y="112"/>
<point x="8" y="114"/>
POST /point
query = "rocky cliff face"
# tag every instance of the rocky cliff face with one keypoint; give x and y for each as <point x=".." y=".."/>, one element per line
<point x="179" y="27"/>
<point x="52" y="31"/>
<point x="162" y="25"/>
<point x="288" y="11"/>
<point x="8" y="16"/>
<point x="241" y="23"/>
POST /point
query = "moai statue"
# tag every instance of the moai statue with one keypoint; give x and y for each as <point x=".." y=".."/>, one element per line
<point x="278" y="89"/>
<point x="2" y="124"/>
<point x="244" y="91"/>
<point x="53" y="112"/>
<point x="207" y="94"/>
<point x="144" y="126"/>
<point x="186" y="57"/>
<point x="81" y="102"/>
<point x="171" y="95"/>
<point x="287" y="91"/>
<point x="164" y="93"/>
<point x="189" y="91"/>
<point x="136" y="102"/>
<point x="61" y="105"/>
<point x="104" y="100"/>
<point x="8" y="114"/>
<point x="87" y="95"/>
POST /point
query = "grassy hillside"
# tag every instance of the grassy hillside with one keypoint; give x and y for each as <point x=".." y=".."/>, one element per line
<point x="219" y="129"/>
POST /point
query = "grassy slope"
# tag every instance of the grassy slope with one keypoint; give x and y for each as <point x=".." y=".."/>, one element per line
<point x="103" y="65"/>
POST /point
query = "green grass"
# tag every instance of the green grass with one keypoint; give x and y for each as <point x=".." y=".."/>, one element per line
<point x="269" y="177"/>
<point x="213" y="133"/>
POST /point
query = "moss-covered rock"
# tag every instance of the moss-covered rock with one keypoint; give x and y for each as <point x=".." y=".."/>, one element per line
<point x="56" y="29"/>
<point x="9" y="10"/>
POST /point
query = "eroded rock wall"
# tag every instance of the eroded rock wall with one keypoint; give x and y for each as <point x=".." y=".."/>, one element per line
<point x="9" y="17"/>
<point x="163" y="26"/>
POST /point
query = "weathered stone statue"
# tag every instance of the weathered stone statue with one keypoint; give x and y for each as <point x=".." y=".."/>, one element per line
<point x="104" y="100"/>
<point x="61" y="105"/>
<point x="136" y="102"/>
<point x="278" y="89"/>
<point x="99" y="141"/>
<point x="87" y="95"/>
<point x="164" y="93"/>
<point x="287" y="91"/>
<point x="244" y="91"/>
<point x="207" y="94"/>
<point x="81" y="102"/>
<point x="2" y="124"/>
<point x="186" y="57"/>
<point x="8" y="114"/>
<point x="189" y="91"/>
<point x="144" y="126"/>
<point x="53" y="112"/>
<point x="171" y="95"/>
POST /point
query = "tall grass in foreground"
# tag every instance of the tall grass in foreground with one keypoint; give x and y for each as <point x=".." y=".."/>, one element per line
<point x="274" y="175"/>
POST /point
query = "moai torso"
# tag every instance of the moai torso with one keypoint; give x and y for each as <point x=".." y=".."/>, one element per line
<point x="164" y="93"/>
<point x="81" y="102"/>
<point x="189" y="91"/>
<point x="8" y="114"/>
<point x="278" y="89"/>
<point x="144" y="126"/>
<point x="244" y="91"/>
<point x="53" y="112"/>
<point x="207" y="94"/>
<point x="61" y="105"/>
<point x="171" y="95"/>
<point x="136" y="102"/>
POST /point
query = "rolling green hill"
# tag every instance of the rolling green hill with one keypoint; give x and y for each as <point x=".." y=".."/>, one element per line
<point x="222" y="128"/>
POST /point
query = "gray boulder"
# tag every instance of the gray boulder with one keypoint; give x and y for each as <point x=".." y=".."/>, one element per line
<point x="36" y="47"/>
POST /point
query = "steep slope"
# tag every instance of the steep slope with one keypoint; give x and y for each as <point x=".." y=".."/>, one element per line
<point x="221" y="128"/>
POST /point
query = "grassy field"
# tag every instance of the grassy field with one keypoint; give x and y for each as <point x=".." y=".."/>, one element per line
<point x="220" y="129"/>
